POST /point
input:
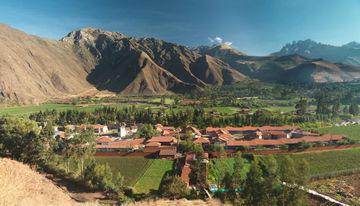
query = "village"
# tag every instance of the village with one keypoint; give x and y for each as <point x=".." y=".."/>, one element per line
<point x="122" y="140"/>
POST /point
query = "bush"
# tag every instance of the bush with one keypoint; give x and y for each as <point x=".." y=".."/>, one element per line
<point x="174" y="188"/>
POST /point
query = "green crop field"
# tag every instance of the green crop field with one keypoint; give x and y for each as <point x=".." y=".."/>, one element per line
<point x="351" y="131"/>
<point x="331" y="163"/>
<point x="225" y="110"/>
<point x="26" y="110"/>
<point x="151" y="179"/>
<point x="132" y="168"/>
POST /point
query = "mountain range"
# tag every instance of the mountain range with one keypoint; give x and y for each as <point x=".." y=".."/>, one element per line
<point x="90" y="61"/>
<point x="348" y="53"/>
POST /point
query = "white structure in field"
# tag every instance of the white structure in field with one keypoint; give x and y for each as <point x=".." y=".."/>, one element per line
<point x="122" y="130"/>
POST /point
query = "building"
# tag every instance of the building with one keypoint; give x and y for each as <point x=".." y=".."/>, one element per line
<point x="276" y="143"/>
<point x="122" y="146"/>
<point x="167" y="152"/>
<point x="163" y="140"/>
<point x="194" y="131"/>
<point x="167" y="130"/>
<point x="98" y="128"/>
<point x="104" y="140"/>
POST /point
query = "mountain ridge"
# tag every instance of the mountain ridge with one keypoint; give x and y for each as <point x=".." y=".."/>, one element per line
<point x="348" y="53"/>
<point x="34" y="70"/>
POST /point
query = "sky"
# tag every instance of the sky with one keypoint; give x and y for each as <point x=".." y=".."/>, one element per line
<point x="257" y="27"/>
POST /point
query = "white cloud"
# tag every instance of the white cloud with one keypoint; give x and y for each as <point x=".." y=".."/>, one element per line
<point x="219" y="40"/>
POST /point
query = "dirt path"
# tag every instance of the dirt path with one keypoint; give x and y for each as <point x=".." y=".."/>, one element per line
<point x="78" y="192"/>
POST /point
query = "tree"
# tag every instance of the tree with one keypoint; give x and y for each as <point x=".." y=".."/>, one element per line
<point x="346" y="110"/>
<point x="17" y="137"/>
<point x="82" y="146"/>
<point x="354" y="109"/>
<point x="301" y="106"/>
<point x="99" y="176"/>
<point x="238" y="168"/>
<point x="288" y="175"/>
<point x="147" y="131"/>
<point x="322" y="105"/>
<point x="174" y="188"/>
<point x="254" y="190"/>
<point x="336" y="109"/>
<point x="269" y="168"/>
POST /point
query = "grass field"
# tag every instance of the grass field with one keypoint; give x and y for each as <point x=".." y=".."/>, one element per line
<point x="132" y="168"/>
<point x="26" y="110"/>
<point x="351" y="131"/>
<point x="151" y="179"/>
<point x="331" y="163"/>
<point x="224" y="110"/>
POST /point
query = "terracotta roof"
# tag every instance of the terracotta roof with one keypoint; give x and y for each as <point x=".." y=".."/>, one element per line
<point x="123" y="144"/>
<point x="194" y="130"/>
<point x="283" y="141"/>
<point x="185" y="174"/>
<point x="224" y="137"/>
<point x="167" y="151"/>
<point x="153" y="144"/>
<point x="250" y="128"/>
<point x="104" y="139"/>
<point x="82" y="126"/>
<point x="202" y="140"/>
<point x="162" y="139"/>
<point x="98" y="126"/>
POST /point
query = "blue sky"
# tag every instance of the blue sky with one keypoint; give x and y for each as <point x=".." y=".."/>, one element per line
<point x="257" y="27"/>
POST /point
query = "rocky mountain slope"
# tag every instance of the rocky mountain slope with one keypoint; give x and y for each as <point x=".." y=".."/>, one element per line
<point x="347" y="54"/>
<point x="90" y="60"/>
<point x="33" y="69"/>
<point x="288" y="68"/>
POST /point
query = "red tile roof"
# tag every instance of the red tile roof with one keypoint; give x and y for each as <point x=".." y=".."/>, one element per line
<point x="104" y="139"/>
<point x="123" y="144"/>
<point x="202" y="140"/>
<point x="153" y="144"/>
<point x="167" y="139"/>
<point x="185" y="174"/>
<point x="98" y="126"/>
<point x="250" y="128"/>
<point x="283" y="141"/>
<point x="168" y="151"/>
<point x="194" y="130"/>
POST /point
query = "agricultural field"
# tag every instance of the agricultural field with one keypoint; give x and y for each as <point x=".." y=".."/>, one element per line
<point x="224" y="110"/>
<point x="141" y="173"/>
<point x="26" y="110"/>
<point x="331" y="163"/>
<point x="351" y="131"/>
<point x="132" y="168"/>
<point x="158" y="100"/>
<point x="151" y="179"/>
<point x="344" y="188"/>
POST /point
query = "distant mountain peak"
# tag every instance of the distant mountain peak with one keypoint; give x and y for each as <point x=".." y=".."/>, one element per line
<point x="347" y="54"/>
<point x="353" y="45"/>
<point x="218" y="50"/>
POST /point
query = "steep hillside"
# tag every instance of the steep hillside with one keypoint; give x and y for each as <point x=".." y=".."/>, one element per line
<point x="144" y="66"/>
<point x="347" y="54"/>
<point x="21" y="186"/>
<point x="89" y="61"/>
<point x="291" y="68"/>
<point x="34" y="69"/>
